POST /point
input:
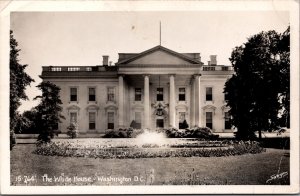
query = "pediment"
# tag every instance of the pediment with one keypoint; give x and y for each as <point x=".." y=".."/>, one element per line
<point x="138" y="107"/>
<point x="159" y="56"/>
<point x="207" y="107"/>
<point x="181" y="107"/>
<point x="110" y="107"/>
<point x="73" y="107"/>
<point x="92" y="107"/>
<point x="224" y="107"/>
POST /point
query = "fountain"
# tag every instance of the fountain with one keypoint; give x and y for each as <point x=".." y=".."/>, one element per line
<point x="152" y="138"/>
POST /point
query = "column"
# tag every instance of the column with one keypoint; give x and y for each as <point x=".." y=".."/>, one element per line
<point x="121" y="101"/>
<point x="172" y="102"/>
<point x="146" y="102"/>
<point x="192" y="102"/>
<point x="197" y="100"/>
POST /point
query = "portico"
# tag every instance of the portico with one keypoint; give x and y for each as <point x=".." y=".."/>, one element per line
<point x="151" y="86"/>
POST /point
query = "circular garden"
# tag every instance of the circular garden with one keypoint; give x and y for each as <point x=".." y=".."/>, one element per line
<point x="148" y="144"/>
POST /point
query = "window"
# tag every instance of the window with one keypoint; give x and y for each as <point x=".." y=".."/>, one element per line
<point x="227" y="121"/>
<point x="73" y="94"/>
<point x="138" y="94"/>
<point x="111" y="94"/>
<point x="92" y="120"/>
<point x="92" y="94"/>
<point x="209" y="123"/>
<point x="110" y="120"/>
<point x="209" y="96"/>
<point x="73" y="117"/>
<point x="182" y="122"/>
<point x="138" y="120"/>
<point x="159" y="123"/>
<point x="160" y="94"/>
<point x="181" y="94"/>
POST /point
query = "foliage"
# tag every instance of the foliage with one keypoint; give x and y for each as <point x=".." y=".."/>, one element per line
<point x="123" y="133"/>
<point x="49" y="111"/>
<point x="259" y="89"/>
<point x="18" y="82"/>
<point x="22" y="124"/>
<point x="72" y="130"/>
<point x="27" y="123"/>
<point x="65" y="149"/>
<point x="196" y="132"/>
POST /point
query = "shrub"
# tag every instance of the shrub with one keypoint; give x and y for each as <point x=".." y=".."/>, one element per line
<point x="196" y="132"/>
<point x="109" y="134"/>
<point x="72" y="130"/>
<point x="44" y="137"/>
<point x="123" y="133"/>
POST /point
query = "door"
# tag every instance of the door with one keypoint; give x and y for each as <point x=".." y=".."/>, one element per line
<point x="159" y="123"/>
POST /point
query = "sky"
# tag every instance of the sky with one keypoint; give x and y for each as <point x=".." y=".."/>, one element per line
<point x="81" y="38"/>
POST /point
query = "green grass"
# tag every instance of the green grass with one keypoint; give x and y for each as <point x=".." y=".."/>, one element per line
<point x="248" y="169"/>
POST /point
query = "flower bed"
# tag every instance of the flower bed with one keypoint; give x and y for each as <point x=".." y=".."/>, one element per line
<point x="108" y="151"/>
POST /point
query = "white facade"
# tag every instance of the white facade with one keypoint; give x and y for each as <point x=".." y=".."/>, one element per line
<point x="158" y="88"/>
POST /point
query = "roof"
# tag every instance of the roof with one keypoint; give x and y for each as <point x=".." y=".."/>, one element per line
<point x="134" y="56"/>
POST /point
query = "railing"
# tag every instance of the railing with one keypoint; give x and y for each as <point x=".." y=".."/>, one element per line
<point x="102" y="68"/>
<point x="217" y="68"/>
<point x="73" y="68"/>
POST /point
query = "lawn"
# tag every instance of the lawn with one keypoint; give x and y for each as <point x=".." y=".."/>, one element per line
<point x="248" y="169"/>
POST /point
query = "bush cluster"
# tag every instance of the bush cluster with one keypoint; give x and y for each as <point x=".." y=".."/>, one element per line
<point x="123" y="133"/>
<point x="63" y="149"/>
<point x="196" y="132"/>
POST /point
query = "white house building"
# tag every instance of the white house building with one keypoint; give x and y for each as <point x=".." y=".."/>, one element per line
<point x="157" y="88"/>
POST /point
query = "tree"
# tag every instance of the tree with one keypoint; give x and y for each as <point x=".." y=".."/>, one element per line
<point x="27" y="123"/>
<point x="23" y="124"/>
<point x="48" y="110"/>
<point x="18" y="82"/>
<point x="258" y="91"/>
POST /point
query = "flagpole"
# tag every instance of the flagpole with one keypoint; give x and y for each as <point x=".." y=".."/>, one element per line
<point x="160" y="33"/>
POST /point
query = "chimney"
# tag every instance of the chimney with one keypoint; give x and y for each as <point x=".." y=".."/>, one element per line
<point x="105" y="60"/>
<point x="213" y="59"/>
<point x="208" y="63"/>
<point x="110" y="63"/>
